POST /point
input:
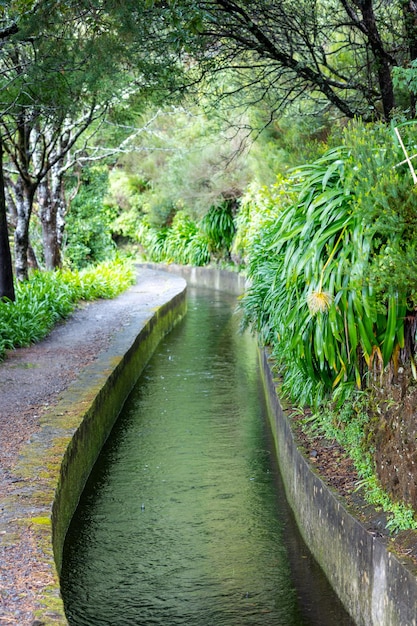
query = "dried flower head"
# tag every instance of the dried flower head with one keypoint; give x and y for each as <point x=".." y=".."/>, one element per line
<point x="319" y="301"/>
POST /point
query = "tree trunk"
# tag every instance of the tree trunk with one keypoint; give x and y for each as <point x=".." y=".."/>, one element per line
<point x="6" y="266"/>
<point x="13" y="191"/>
<point x="410" y="23"/>
<point x="48" y="212"/>
<point x="52" y="209"/>
<point x="382" y="60"/>
<point x="24" y="204"/>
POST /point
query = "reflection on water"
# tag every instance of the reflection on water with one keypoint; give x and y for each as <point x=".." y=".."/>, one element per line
<point x="182" y="521"/>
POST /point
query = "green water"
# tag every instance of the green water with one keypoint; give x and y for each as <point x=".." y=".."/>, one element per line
<point x="183" y="521"/>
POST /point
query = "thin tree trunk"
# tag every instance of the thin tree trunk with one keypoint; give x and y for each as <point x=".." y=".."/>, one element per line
<point x="410" y="23"/>
<point x="382" y="60"/>
<point x="13" y="191"/>
<point x="6" y="265"/>
<point x="48" y="217"/>
<point x="52" y="215"/>
<point x="24" y="206"/>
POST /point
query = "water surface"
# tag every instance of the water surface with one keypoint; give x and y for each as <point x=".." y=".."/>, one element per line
<point x="183" y="520"/>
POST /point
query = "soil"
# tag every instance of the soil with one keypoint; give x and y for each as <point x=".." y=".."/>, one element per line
<point x="336" y="469"/>
<point x="394" y="436"/>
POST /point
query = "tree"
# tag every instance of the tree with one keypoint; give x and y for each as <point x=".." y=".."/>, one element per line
<point x="68" y="63"/>
<point x="6" y="271"/>
<point x="337" y="52"/>
<point x="8" y="27"/>
<point x="37" y="154"/>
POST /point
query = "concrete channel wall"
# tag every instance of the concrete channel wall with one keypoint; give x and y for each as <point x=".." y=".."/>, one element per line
<point x="375" y="587"/>
<point x="79" y="425"/>
<point x="129" y="355"/>
<point x="210" y="277"/>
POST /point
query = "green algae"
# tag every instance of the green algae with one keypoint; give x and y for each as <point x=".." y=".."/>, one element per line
<point x="40" y="520"/>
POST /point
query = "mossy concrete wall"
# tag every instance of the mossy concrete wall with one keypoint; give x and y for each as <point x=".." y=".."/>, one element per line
<point x="98" y="405"/>
<point x="376" y="588"/>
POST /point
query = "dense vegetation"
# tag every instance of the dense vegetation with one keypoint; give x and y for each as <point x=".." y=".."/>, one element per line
<point x="51" y="296"/>
<point x="191" y="132"/>
<point x="331" y="289"/>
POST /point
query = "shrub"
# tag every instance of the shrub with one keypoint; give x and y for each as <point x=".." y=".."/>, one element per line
<point x="88" y="230"/>
<point x="50" y="296"/>
<point x="329" y="287"/>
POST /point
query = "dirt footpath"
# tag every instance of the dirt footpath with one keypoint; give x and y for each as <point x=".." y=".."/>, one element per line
<point x="31" y="381"/>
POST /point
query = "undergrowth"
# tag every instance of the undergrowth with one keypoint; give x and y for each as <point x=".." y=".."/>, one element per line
<point x="348" y="424"/>
<point x="51" y="296"/>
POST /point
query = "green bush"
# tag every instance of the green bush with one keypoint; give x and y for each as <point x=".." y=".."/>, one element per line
<point x="50" y="296"/>
<point x="259" y="208"/>
<point x="219" y="228"/>
<point x="319" y="292"/>
<point x="331" y="287"/>
<point x="183" y="242"/>
<point x="88" y="231"/>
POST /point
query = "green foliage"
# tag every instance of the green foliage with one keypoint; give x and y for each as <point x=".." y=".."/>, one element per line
<point x="406" y="77"/>
<point x="386" y="202"/>
<point x="89" y="222"/>
<point x="297" y="265"/>
<point x="187" y="161"/>
<point x="219" y="227"/>
<point x="300" y="135"/>
<point x="259" y="208"/>
<point x="50" y="296"/>
<point x="331" y="288"/>
<point x="320" y="293"/>
<point x="183" y="160"/>
<point x="106" y="280"/>
<point x="183" y="242"/>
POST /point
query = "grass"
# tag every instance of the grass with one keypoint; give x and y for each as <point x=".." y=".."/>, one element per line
<point x="51" y="296"/>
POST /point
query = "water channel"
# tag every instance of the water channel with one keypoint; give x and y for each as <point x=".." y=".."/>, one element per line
<point x="183" y="520"/>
